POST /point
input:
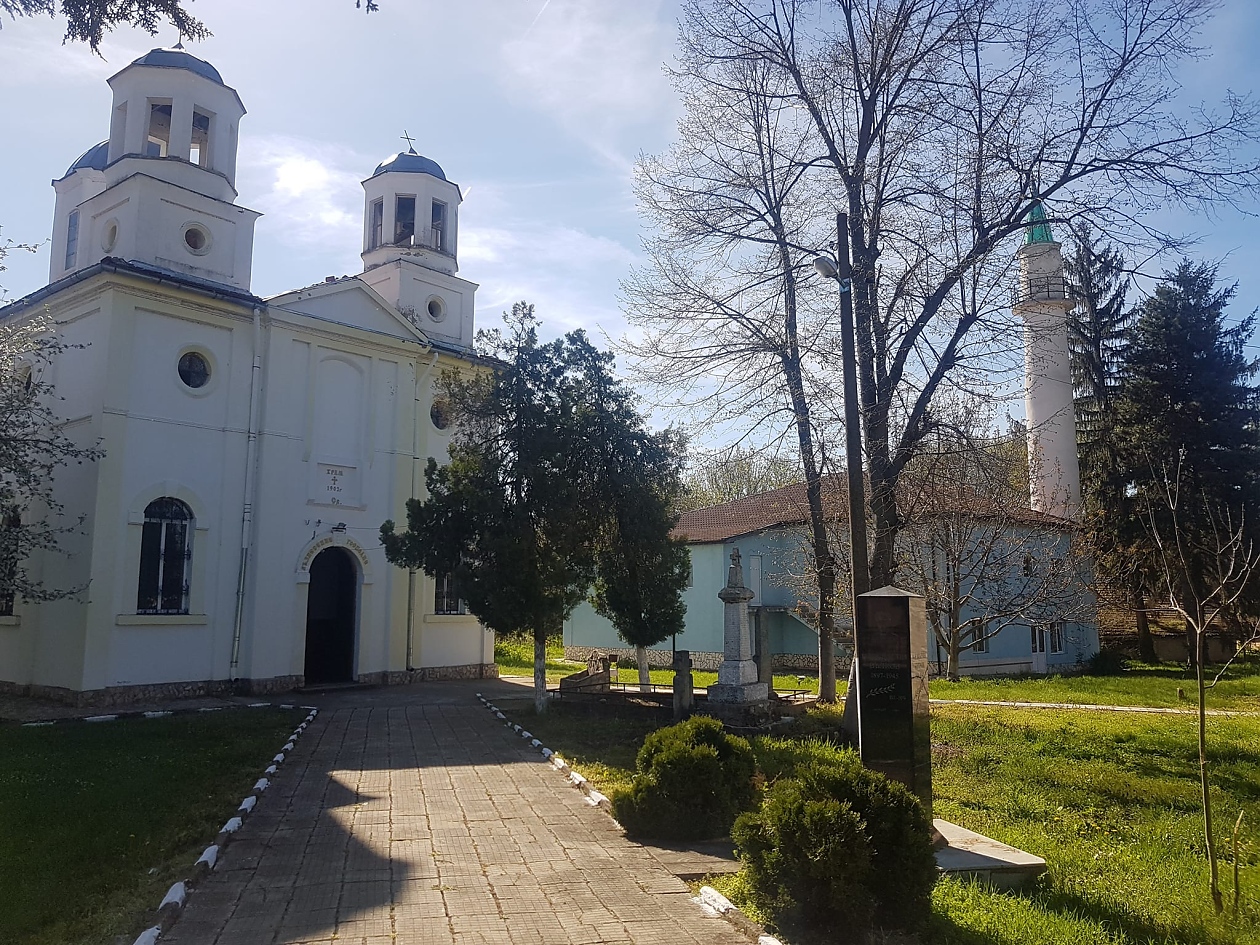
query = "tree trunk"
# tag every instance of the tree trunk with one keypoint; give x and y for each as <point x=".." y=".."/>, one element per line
<point x="953" y="652"/>
<point x="1192" y="646"/>
<point x="1146" y="646"/>
<point x="645" y="677"/>
<point x="540" y="672"/>
<point x="1213" y="874"/>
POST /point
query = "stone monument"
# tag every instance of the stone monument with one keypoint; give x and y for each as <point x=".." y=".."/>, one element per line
<point x="684" y="698"/>
<point x="737" y="675"/>
<point x="894" y="735"/>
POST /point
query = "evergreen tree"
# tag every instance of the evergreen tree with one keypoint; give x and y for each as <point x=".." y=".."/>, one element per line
<point x="1186" y="404"/>
<point x="1098" y="330"/>
<point x="553" y="476"/>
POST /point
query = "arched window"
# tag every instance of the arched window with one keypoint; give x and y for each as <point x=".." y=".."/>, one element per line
<point x="165" y="558"/>
<point x="10" y="539"/>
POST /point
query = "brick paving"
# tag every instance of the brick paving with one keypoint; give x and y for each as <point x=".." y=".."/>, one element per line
<point x="428" y="823"/>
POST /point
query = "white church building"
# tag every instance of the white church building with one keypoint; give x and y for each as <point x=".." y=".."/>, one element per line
<point x="252" y="447"/>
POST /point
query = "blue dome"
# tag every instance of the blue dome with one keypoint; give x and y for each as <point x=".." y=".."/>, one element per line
<point x="178" y="59"/>
<point x="408" y="162"/>
<point x="94" y="157"/>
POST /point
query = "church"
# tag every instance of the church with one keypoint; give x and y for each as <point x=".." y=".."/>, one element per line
<point x="252" y="447"/>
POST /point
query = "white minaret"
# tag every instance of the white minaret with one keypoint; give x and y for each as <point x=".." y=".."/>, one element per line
<point x="161" y="190"/>
<point x="1053" y="470"/>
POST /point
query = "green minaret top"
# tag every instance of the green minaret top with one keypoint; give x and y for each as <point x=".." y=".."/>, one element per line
<point x="1039" y="232"/>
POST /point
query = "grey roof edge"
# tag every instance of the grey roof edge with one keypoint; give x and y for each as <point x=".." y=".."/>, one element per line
<point x="125" y="267"/>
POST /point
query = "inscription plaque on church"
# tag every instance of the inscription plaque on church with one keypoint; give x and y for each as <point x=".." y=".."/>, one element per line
<point x="894" y="736"/>
<point x="336" y="484"/>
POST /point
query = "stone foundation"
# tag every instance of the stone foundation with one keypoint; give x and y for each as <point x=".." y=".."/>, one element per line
<point x="167" y="692"/>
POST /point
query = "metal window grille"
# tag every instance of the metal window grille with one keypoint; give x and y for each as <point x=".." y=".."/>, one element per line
<point x="446" y="596"/>
<point x="165" y="558"/>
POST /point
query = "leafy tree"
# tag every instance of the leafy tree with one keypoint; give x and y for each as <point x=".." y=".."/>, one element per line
<point x="552" y="477"/>
<point x="32" y="449"/>
<point x="1185" y="397"/>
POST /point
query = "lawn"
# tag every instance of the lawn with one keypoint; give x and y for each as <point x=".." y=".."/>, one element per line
<point x="1110" y="800"/>
<point x="98" y="819"/>
<point x="515" y="656"/>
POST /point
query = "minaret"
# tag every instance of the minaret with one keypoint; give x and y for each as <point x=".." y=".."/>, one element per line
<point x="1042" y="302"/>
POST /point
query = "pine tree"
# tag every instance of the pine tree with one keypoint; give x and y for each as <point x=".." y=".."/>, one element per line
<point x="1097" y="336"/>
<point x="1186" y="403"/>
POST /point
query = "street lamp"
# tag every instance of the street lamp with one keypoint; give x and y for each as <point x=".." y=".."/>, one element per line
<point x="859" y="572"/>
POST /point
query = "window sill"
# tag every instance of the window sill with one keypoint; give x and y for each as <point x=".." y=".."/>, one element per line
<point x="161" y="620"/>
<point x="12" y="620"/>
<point x="450" y="618"/>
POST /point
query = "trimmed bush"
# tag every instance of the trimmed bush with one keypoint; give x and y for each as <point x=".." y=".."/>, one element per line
<point x="692" y="780"/>
<point x="1106" y="662"/>
<point x="808" y="863"/>
<point x="796" y="881"/>
<point x="903" y="866"/>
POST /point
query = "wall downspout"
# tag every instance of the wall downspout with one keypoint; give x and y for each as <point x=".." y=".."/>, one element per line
<point x="421" y="378"/>
<point x="247" y="510"/>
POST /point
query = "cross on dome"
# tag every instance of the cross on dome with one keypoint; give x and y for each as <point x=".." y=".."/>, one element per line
<point x="410" y="146"/>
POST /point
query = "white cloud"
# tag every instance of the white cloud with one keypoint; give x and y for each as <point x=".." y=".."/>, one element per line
<point x="308" y="190"/>
<point x="596" y="68"/>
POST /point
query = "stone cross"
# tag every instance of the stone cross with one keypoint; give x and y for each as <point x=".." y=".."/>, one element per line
<point x="737" y="675"/>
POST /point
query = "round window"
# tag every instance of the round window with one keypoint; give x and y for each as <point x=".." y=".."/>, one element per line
<point x="437" y="311"/>
<point x="109" y="238"/>
<point x="197" y="239"/>
<point x="194" y="370"/>
<point x="440" y="414"/>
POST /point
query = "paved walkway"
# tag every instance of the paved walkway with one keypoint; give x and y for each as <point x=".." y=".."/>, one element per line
<point x="413" y="817"/>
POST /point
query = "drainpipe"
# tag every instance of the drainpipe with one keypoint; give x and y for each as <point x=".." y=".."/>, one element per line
<point x="247" y="511"/>
<point x="421" y="378"/>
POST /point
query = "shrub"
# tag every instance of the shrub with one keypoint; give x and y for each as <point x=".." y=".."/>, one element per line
<point x="692" y="780"/>
<point x="808" y="863"/>
<point x="903" y="865"/>
<point x="900" y="867"/>
<point x="1106" y="662"/>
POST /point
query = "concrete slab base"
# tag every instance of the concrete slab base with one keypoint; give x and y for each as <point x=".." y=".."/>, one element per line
<point x="969" y="855"/>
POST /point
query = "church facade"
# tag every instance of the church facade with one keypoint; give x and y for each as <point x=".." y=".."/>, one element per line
<point x="252" y="447"/>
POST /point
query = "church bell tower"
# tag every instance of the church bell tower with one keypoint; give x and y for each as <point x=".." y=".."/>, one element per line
<point x="161" y="190"/>
<point x="410" y="243"/>
<point x="1043" y="303"/>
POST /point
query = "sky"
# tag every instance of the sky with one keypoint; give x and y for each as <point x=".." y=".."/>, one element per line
<point x="536" y="108"/>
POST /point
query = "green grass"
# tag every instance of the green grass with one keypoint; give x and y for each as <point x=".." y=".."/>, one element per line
<point x="515" y="656"/>
<point x="1109" y="800"/>
<point x="97" y="820"/>
<point x="1141" y="685"/>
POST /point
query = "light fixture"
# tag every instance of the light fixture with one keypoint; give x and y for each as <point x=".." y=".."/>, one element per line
<point x="825" y="267"/>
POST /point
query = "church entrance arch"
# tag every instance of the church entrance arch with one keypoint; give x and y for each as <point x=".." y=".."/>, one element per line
<point x="331" y="617"/>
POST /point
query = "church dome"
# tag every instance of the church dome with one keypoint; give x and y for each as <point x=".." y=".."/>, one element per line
<point x="95" y="157"/>
<point x="408" y="162"/>
<point x="178" y="59"/>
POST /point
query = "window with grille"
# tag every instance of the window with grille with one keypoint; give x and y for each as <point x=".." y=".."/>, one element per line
<point x="165" y="558"/>
<point x="72" y="239"/>
<point x="447" y="598"/>
<point x="10" y="524"/>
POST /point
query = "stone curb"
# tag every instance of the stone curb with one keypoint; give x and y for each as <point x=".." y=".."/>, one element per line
<point x="709" y="899"/>
<point x="172" y="904"/>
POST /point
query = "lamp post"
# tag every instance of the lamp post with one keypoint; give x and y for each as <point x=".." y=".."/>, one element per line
<point x="859" y="570"/>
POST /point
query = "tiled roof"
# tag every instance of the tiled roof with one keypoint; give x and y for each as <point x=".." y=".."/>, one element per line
<point x="790" y="506"/>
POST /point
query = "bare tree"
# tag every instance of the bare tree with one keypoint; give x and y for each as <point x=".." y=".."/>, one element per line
<point x="934" y="123"/>
<point x="1208" y="562"/>
<point x="983" y="561"/>
<point x="720" y="300"/>
<point x="734" y="472"/>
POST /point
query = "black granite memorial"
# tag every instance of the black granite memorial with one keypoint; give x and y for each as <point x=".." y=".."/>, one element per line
<point x="894" y="735"/>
